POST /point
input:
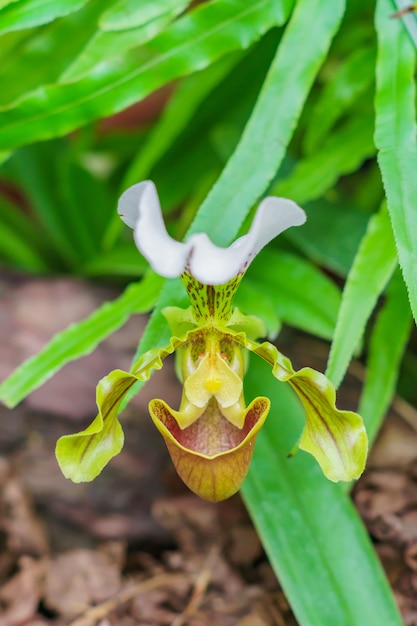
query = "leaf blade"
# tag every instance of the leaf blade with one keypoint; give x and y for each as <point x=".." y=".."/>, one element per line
<point x="284" y="276"/>
<point x="387" y="344"/>
<point x="29" y="13"/>
<point x="373" y="266"/>
<point x="313" y="536"/>
<point x="211" y="31"/>
<point x="395" y="138"/>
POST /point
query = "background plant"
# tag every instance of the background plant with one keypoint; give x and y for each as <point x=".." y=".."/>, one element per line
<point x="311" y="100"/>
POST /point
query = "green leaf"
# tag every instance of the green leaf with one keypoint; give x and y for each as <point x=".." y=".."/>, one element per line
<point x="388" y="341"/>
<point x="373" y="266"/>
<point x="20" y="240"/>
<point x="250" y="296"/>
<point x="4" y="155"/>
<point x="127" y="14"/>
<point x="192" y="43"/>
<point x="72" y="206"/>
<point x="89" y="205"/>
<point x="122" y="260"/>
<point x="284" y="277"/>
<point x="4" y="3"/>
<point x="108" y="45"/>
<point x="29" y="13"/>
<point x="198" y="155"/>
<point x="408" y="19"/>
<point x="176" y="116"/>
<point x="16" y="252"/>
<point x="178" y="112"/>
<point x="349" y="81"/>
<point x="342" y="153"/>
<point x="331" y="235"/>
<point x="313" y="536"/>
<point x="79" y="339"/>
<point x="278" y="106"/>
<point x="395" y="138"/>
<point x="40" y="57"/>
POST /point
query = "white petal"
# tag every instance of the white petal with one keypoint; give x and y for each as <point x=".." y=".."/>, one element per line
<point x="214" y="266"/>
<point x="274" y="215"/>
<point x="130" y="200"/>
<point x="139" y="208"/>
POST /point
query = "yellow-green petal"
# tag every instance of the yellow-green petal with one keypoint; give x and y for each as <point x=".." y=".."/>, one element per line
<point x="83" y="455"/>
<point x="337" y="439"/>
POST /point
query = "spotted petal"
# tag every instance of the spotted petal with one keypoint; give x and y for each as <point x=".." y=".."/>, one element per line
<point x="209" y="264"/>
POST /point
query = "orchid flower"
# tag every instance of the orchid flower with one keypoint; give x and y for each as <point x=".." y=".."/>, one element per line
<point x="211" y="436"/>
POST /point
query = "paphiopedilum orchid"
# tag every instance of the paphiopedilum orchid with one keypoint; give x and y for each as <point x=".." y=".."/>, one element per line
<point x="211" y="436"/>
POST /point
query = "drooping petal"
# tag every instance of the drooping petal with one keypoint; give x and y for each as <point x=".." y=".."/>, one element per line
<point x="83" y="455"/>
<point x="211" y="456"/>
<point x="209" y="264"/>
<point x="337" y="439"/>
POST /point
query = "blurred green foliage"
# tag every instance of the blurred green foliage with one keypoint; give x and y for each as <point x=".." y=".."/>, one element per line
<point x="312" y="100"/>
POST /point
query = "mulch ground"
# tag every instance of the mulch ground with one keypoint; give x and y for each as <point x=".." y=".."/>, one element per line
<point x="135" y="547"/>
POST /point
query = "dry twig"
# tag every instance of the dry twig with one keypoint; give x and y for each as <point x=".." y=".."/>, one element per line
<point x="200" y="587"/>
<point x="102" y="610"/>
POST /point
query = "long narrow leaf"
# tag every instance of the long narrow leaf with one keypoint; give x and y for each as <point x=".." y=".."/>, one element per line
<point x="106" y="45"/>
<point x="387" y="344"/>
<point x="251" y="291"/>
<point x="181" y="107"/>
<point x="192" y="43"/>
<point x="20" y="240"/>
<point x="340" y="92"/>
<point x="284" y="277"/>
<point x="79" y="339"/>
<point x="16" y="251"/>
<point x="409" y="19"/>
<point x="331" y="235"/>
<point x="279" y="105"/>
<point x="29" y="13"/>
<point x="342" y="153"/>
<point x="4" y="3"/>
<point x="395" y="138"/>
<point x="40" y="57"/>
<point x="315" y="539"/>
<point x="373" y="266"/>
<point x="177" y="114"/>
<point x="126" y="14"/>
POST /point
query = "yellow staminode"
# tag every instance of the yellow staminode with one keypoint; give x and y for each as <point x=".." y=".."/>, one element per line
<point x="213" y="385"/>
